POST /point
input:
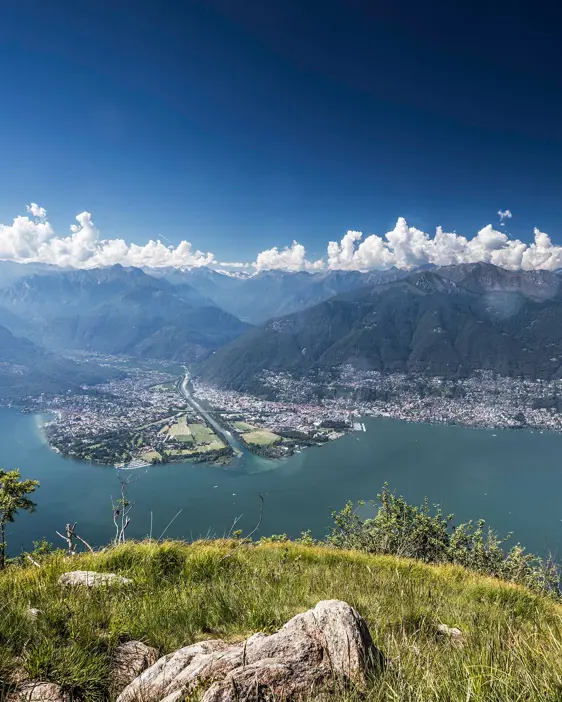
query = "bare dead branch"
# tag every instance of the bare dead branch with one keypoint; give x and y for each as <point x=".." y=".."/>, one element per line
<point x="122" y="507"/>
<point x="69" y="531"/>
<point x="125" y="525"/>
<point x="234" y="523"/>
<point x="70" y="535"/>
<point x="37" y="565"/>
<point x="169" y="524"/>
<point x="86" y="544"/>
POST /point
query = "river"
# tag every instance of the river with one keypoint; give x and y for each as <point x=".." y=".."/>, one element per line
<point x="511" y="478"/>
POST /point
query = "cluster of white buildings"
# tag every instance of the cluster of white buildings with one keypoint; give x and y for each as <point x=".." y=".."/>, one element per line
<point x="332" y="400"/>
<point x="117" y="406"/>
<point x="485" y="399"/>
<point x="275" y="416"/>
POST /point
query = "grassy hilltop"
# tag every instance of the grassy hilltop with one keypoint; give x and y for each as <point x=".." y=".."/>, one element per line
<point x="183" y="593"/>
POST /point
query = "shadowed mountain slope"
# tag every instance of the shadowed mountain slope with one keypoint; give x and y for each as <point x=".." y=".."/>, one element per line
<point x="426" y="323"/>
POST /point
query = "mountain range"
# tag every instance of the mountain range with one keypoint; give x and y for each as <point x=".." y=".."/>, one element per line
<point x="116" y="311"/>
<point x="272" y="293"/>
<point x="447" y="322"/>
<point x="156" y="313"/>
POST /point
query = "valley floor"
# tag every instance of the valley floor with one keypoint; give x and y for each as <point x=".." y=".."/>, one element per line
<point x="145" y="418"/>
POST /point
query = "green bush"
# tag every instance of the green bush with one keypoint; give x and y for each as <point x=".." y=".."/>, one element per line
<point x="401" y="529"/>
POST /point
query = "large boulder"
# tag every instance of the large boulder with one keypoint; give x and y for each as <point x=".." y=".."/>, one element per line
<point x="89" y="578"/>
<point x="129" y="660"/>
<point x="313" y="652"/>
<point x="36" y="691"/>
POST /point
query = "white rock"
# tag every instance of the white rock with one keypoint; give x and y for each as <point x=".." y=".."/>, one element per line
<point x="89" y="578"/>
<point x="39" y="692"/>
<point x="451" y="632"/>
<point x="307" y="655"/>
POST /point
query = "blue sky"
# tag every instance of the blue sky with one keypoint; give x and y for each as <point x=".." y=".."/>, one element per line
<point x="244" y="125"/>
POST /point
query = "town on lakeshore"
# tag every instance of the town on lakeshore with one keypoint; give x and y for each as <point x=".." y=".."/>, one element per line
<point x="154" y="415"/>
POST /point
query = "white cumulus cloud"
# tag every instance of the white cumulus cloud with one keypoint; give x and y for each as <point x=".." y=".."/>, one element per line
<point x="37" y="211"/>
<point x="407" y="247"/>
<point x="291" y="258"/>
<point x="504" y="214"/>
<point x="234" y="264"/>
<point x="33" y="239"/>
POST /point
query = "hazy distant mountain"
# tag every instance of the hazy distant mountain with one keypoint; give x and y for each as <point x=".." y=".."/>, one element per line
<point x="11" y="271"/>
<point x="268" y="294"/>
<point x="27" y="369"/>
<point x="14" y="349"/>
<point x="445" y="323"/>
<point x="118" y="311"/>
<point x="380" y="320"/>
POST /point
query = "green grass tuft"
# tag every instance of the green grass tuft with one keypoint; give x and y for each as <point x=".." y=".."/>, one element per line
<point x="188" y="592"/>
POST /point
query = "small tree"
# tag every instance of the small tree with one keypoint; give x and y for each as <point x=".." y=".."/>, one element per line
<point x="13" y="497"/>
<point x="122" y="507"/>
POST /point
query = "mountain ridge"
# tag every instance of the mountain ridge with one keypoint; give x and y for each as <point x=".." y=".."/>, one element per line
<point x="425" y="323"/>
<point x="117" y="310"/>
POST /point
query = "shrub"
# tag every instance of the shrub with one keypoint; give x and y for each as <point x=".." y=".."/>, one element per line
<point x="401" y="529"/>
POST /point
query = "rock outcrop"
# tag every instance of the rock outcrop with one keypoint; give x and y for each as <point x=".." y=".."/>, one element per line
<point x="326" y="646"/>
<point x="35" y="691"/>
<point x="89" y="578"/>
<point x="129" y="660"/>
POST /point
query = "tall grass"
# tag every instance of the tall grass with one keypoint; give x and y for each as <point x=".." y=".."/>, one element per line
<point x="183" y="593"/>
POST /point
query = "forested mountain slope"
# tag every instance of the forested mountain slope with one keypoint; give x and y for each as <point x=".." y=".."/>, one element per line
<point x="447" y="323"/>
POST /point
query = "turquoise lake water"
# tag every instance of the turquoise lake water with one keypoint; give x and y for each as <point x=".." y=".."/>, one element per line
<point x="511" y="478"/>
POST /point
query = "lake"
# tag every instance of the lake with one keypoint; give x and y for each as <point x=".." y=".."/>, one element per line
<point x="511" y="478"/>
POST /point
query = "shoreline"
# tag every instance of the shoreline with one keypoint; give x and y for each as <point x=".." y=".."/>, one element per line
<point x="155" y="419"/>
<point x="226" y="461"/>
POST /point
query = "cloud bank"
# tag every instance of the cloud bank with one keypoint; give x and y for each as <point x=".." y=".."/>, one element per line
<point x="31" y="238"/>
<point x="406" y="247"/>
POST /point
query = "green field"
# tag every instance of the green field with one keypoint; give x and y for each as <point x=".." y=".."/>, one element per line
<point x="163" y="388"/>
<point x="181" y="431"/>
<point x="202" y="434"/>
<point x="203" y="448"/>
<point x="184" y="438"/>
<point x="151" y="456"/>
<point x="182" y="452"/>
<point x="153" y="424"/>
<point x="261" y="437"/>
<point x="243" y="426"/>
<point x="213" y="446"/>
